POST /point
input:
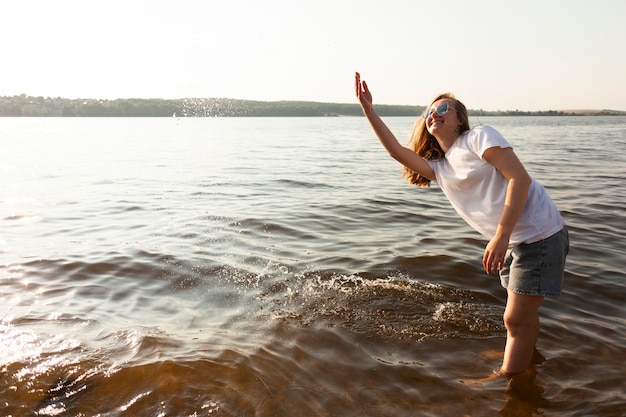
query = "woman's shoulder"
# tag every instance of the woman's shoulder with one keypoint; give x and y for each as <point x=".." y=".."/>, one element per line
<point x="482" y="137"/>
<point x="483" y="130"/>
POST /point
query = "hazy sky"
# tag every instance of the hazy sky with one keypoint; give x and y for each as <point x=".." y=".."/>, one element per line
<point x="493" y="54"/>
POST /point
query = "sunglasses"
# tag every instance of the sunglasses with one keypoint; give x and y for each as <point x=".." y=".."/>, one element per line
<point x="440" y="110"/>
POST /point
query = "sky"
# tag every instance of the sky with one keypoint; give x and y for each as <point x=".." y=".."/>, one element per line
<point x="529" y="55"/>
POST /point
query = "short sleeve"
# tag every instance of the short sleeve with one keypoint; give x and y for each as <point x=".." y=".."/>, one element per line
<point x="484" y="137"/>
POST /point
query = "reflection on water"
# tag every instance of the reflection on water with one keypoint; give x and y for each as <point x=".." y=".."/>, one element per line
<point x="524" y="396"/>
<point x="235" y="267"/>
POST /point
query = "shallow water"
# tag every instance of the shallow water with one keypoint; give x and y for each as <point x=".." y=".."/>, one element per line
<point x="281" y="267"/>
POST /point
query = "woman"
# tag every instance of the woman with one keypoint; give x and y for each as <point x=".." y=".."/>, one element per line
<point x="490" y="189"/>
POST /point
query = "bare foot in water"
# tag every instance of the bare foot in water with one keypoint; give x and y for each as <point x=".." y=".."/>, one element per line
<point x="492" y="355"/>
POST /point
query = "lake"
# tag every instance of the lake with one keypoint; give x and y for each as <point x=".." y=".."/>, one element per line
<point x="282" y="267"/>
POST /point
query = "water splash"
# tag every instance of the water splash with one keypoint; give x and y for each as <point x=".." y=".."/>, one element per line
<point x="393" y="307"/>
<point x="213" y="107"/>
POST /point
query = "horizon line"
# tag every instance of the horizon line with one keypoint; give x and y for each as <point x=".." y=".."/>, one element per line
<point x="578" y="110"/>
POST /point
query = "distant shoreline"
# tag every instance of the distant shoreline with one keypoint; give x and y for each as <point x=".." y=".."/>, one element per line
<point x="29" y="106"/>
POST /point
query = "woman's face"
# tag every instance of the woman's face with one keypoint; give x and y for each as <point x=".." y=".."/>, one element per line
<point x="442" y="119"/>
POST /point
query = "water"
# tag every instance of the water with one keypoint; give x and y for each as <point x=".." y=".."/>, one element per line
<point x="281" y="267"/>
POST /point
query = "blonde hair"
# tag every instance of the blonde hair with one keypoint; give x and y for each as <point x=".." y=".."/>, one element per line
<point x="425" y="145"/>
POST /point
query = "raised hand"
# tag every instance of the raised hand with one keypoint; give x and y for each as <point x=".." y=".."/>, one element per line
<point x="363" y="93"/>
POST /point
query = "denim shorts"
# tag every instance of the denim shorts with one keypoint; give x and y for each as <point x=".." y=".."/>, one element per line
<point x="536" y="268"/>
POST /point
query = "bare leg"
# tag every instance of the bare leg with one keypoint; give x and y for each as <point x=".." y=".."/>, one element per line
<point x="521" y="318"/>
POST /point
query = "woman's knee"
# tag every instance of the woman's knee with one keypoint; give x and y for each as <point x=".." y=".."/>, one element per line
<point x="518" y="323"/>
<point x="522" y="313"/>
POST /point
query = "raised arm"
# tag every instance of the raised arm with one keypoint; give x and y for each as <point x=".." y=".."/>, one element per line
<point x="405" y="156"/>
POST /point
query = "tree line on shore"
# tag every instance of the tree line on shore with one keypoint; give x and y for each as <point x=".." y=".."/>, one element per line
<point x="29" y="106"/>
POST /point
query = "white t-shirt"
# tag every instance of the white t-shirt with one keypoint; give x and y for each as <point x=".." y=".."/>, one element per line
<point x="477" y="190"/>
